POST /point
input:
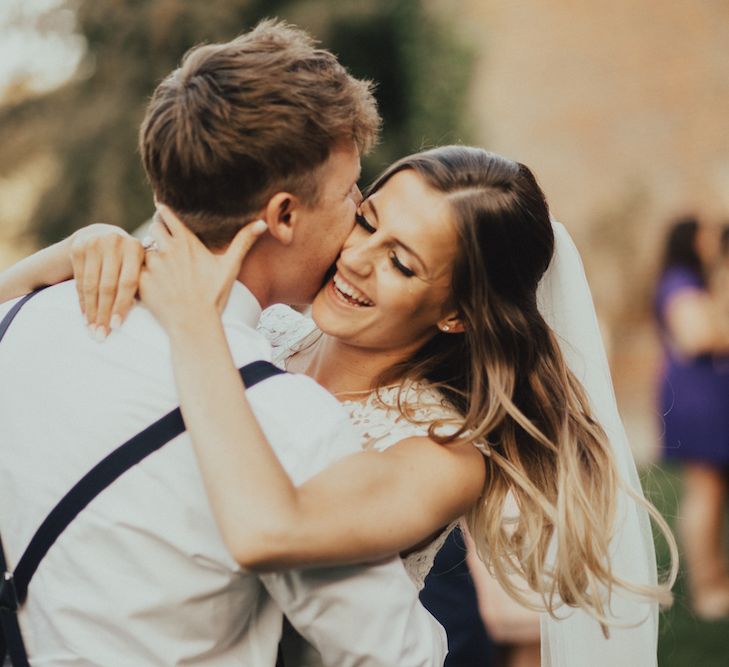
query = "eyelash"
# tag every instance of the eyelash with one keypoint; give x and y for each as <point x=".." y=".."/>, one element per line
<point x="408" y="273"/>
<point x="363" y="222"/>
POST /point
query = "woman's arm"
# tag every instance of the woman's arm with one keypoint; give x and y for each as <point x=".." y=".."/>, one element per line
<point x="367" y="506"/>
<point x="46" y="267"/>
<point x="695" y="325"/>
<point x="105" y="261"/>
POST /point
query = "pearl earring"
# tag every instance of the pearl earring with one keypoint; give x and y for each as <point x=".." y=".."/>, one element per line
<point x="446" y="327"/>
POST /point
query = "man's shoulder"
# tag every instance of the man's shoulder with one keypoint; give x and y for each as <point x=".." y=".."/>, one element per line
<point x="299" y="396"/>
<point x="307" y="426"/>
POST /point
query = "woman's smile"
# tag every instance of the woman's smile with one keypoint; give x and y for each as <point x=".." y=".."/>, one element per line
<point x="350" y="294"/>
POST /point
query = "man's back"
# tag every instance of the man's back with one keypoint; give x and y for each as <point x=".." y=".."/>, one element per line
<point x="142" y="575"/>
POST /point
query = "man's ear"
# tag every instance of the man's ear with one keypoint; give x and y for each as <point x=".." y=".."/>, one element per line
<point x="281" y="214"/>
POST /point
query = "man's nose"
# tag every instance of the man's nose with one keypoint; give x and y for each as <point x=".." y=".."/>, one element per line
<point x="357" y="195"/>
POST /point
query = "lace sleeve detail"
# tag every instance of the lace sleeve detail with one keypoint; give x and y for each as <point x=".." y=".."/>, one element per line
<point x="285" y="329"/>
<point x="381" y="425"/>
<point x="419" y="563"/>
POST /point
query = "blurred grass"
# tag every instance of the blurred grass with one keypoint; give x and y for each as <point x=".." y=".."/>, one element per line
<point x="684" y="640"/>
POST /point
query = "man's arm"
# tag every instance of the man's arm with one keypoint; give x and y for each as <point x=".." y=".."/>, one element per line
<point x="363" y="616"/>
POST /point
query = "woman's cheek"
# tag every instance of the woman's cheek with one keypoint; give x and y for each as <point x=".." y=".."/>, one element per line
<point x="400" y="298"/>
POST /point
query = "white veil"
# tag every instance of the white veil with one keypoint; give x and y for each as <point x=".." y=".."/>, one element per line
<point x="566" y="304"/>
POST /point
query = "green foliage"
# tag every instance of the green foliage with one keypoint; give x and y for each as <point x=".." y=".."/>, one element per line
<point x="684" y="640"/>
<point x="89" y="125"/>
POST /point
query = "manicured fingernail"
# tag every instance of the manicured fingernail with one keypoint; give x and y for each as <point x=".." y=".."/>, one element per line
<point x="259" y="226"/>
<point x="100" y="334"/>
<point x="115" y="322"/>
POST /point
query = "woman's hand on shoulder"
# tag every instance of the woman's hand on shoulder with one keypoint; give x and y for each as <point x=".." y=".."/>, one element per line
<point x="106" y="265"/>
<point x="182" y="279"/>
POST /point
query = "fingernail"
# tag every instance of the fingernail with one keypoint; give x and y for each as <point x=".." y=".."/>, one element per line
<point x="100" y="334"/>
<point x="259" y="226"/>
<point x="92" y="331"/>
<point x="115" y="322"/>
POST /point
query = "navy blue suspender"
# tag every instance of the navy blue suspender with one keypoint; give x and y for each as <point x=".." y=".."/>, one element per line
<point x="14" y="585"/>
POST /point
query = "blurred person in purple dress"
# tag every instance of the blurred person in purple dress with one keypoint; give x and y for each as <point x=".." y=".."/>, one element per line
<point x="694" y="402"/>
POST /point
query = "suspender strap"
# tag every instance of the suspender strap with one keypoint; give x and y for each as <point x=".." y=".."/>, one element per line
<point x="102" y="475"/>
<point x="10" y="315"/>
<point x="11" y="640"/>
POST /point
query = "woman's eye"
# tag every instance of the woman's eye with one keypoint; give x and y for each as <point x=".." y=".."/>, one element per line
<point x="401" y="267"/>
<point x="362" y="222"/>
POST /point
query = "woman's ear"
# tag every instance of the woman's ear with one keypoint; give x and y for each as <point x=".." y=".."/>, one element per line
<point x="281" y="214"/>
<point x="452" y="323"/>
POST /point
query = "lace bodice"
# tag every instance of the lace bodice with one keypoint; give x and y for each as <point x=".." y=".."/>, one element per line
<point x="378" y="422"/>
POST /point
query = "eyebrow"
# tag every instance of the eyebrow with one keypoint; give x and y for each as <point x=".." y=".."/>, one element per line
<point x="405" y="246"/>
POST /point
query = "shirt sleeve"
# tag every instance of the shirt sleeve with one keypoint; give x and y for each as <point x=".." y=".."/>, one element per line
<point x="363" y="616"/>
<point x="305" y="425"/>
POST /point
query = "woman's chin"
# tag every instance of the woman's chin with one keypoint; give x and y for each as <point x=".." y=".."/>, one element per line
<point x="334" y="318"/>
<point x="327" y="321"/>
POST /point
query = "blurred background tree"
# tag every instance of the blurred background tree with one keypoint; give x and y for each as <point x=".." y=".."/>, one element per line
<point x="88" y="126"/>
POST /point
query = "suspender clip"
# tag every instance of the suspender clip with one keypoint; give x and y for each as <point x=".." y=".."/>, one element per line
<point x="8" y="593"/>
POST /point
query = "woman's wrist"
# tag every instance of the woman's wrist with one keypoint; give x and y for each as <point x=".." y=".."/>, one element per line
<point x="194" y="327"/>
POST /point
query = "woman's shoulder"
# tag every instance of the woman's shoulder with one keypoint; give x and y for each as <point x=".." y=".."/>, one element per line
<point x="673" y="281"/>
<point x="284" y="328"/>
<point x="396" y="413"/>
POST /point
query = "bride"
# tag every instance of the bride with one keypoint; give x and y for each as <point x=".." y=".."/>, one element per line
<point x="459" y="333"/>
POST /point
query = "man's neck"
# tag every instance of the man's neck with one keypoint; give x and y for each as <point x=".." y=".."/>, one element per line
<point x="258" y="274"/>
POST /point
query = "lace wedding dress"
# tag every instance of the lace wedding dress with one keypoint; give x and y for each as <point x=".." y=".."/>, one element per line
<point x="379" y="427"/>
<point x="379" y="423"/>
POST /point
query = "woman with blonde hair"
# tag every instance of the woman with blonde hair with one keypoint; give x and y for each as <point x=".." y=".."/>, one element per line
<point x="459" y="333"/>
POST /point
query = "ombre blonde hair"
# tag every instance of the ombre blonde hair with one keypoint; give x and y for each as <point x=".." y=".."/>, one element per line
<point x="507" y="377"/>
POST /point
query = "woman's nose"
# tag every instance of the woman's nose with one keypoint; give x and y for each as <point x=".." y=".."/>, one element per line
<point x="356" y="253"/>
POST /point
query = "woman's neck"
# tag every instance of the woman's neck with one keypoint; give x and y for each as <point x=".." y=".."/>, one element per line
<point x="345" y="369"/>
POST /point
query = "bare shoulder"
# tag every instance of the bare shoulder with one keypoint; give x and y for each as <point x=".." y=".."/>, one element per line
<point x="460" y="467"/>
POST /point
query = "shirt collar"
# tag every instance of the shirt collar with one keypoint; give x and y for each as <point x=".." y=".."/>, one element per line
<point x="242" y="306"/>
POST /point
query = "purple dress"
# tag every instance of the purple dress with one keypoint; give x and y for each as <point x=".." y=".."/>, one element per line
<point x="694" y="393"/>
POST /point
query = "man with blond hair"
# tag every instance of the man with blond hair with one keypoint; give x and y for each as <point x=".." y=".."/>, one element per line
<point x="266" y="126"/>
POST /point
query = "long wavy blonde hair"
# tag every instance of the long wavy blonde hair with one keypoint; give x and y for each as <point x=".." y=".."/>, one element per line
<point x="507" y="377"/>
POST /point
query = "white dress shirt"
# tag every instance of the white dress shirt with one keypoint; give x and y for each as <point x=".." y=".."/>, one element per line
<point x="142" y="577"/>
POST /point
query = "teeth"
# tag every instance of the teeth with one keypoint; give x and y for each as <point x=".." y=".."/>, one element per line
<point x="351" y="291"/>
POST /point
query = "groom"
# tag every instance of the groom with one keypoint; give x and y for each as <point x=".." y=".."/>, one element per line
<point x="265" y="126"/>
